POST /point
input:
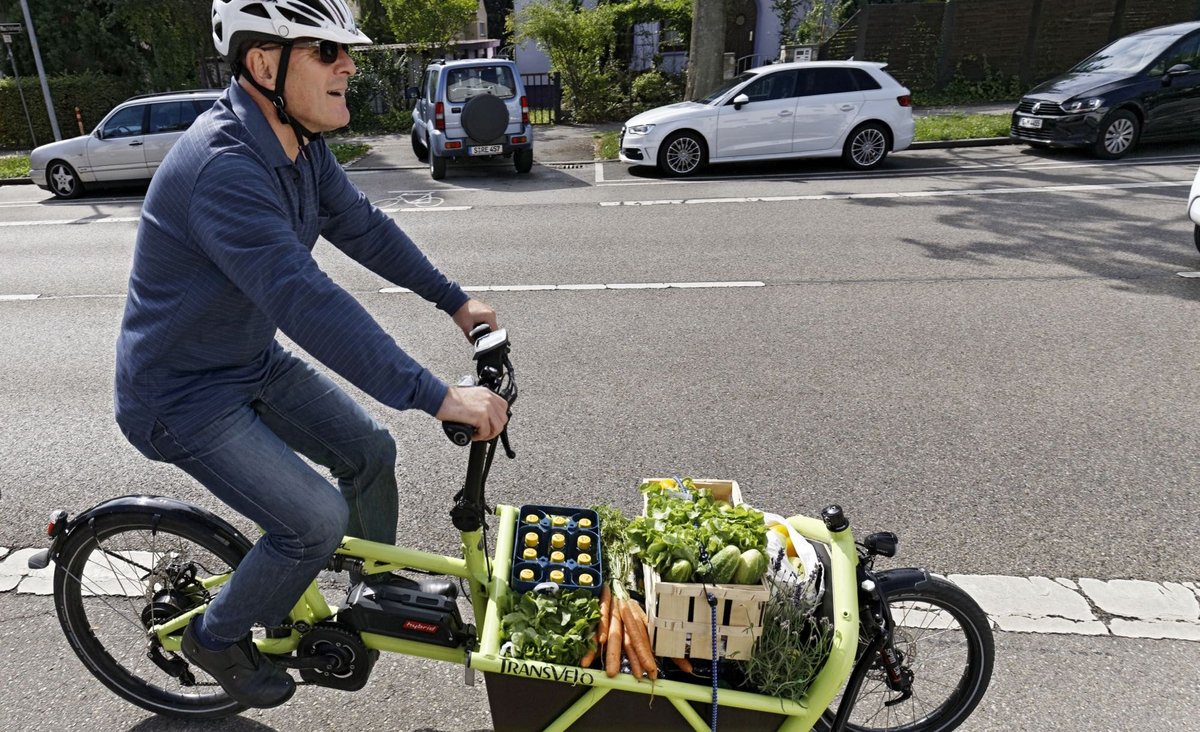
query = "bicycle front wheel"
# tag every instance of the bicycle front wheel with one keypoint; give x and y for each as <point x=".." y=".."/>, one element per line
<point x="944" y="639"/>
<point x="119" y="575"/>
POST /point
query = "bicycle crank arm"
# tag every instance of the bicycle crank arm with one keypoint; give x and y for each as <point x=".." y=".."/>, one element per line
<point x="324" y="662"/>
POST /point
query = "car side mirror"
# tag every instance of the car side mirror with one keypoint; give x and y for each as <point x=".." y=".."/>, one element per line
<point x="412" y="92"/>
<point x="739" y="100"/>
<point x="1176" y="70"/>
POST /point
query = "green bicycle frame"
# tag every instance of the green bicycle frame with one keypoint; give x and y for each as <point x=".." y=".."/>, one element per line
<point x="487" y="579"/>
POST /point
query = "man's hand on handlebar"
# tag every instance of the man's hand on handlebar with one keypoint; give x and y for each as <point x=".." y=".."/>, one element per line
<point x="477" y="406"/>
<point x="470" y="314"/>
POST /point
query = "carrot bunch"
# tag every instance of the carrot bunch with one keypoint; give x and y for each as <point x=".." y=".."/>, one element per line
<point x="625" y="630"/>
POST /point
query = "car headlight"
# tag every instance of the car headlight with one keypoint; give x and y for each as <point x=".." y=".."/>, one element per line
<point x="638" y="129"/>
<point x="1082" y="105"/>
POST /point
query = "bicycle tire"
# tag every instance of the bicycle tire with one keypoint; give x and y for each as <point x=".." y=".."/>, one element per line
<point x="102" y="591"/>
<point x="968" y="639"/>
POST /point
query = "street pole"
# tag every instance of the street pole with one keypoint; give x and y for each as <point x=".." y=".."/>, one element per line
<point x="37" y="60"/>
<point x="17" y="74"/>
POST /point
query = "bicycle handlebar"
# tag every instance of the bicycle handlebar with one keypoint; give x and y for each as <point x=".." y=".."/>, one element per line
<point x="494" y="370"/>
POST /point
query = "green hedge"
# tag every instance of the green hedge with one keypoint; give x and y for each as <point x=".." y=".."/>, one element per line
<point x="94" y="94"/>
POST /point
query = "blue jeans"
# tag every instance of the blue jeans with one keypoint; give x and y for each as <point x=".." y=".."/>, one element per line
<point x="249" y="460"/>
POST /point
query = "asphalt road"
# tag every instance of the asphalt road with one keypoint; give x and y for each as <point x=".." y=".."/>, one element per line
<point x="988" y="351"/>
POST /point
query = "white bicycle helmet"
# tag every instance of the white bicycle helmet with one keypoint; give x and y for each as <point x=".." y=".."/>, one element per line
<point x="237" y="21"/>
<point x="234" y="22"/>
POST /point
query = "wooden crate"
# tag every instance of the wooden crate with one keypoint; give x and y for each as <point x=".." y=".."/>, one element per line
<point x="681" y="618"/>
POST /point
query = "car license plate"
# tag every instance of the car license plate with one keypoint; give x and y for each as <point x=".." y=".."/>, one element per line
<point x="487" y="149"/>
<point x="1030" y="123"/>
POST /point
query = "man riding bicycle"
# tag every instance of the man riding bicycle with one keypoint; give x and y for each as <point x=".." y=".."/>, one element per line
<point x="222" y="261"/>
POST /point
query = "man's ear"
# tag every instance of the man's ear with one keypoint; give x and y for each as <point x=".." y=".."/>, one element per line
<point x="261" y="66"/>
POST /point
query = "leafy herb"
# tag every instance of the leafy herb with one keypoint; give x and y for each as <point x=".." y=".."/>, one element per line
<point x="613" y="542"/>
<point x="552" y="628"/>
<point x="795" y="641"/>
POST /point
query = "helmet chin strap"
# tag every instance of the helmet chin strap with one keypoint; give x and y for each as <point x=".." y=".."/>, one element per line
<point x="303" y="134"/>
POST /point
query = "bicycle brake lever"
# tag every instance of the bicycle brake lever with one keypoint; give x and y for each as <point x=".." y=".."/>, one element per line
<point x="508" y="451"/>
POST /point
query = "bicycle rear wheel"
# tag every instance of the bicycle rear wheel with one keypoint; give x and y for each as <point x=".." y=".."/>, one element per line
<point x="944" y="638"/>
<point x="121" y="573"/>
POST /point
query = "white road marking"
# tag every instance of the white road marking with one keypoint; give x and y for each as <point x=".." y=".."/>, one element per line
<point x="1190" y="274"/>
<point x="425" y="208"/>
<point x="1122" y="608"/>
<point x="18" y="297"/>
<point x="599" y="172"/>
<point x="62" y="222"/>
<point x="593" y="286"/>
<point x="904" y="194"/>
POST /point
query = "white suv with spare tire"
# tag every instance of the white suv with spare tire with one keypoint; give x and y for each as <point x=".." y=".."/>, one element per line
<point x="472" y="108"/>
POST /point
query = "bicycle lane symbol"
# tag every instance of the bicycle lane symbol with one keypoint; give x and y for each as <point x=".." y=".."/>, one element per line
<point x="400" y="200"/>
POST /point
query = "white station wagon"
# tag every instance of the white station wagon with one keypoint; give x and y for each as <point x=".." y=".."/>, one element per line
<point x="852" y="109"/>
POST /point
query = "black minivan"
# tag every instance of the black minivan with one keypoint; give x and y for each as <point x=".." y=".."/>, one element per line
<point x="1140" y="87"/>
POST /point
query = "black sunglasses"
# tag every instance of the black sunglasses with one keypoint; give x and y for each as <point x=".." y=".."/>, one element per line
<point x="327" y="50"/>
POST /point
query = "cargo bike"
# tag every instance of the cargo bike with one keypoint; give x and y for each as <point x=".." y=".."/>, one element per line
<point x="907" y="649"/>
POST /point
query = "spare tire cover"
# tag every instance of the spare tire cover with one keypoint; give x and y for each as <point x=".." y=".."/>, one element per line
<point x="485" y="117"/>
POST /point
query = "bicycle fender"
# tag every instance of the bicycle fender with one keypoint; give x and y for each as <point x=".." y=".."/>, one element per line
<point x="164" y="507"/>
<point x="905" y="578"/>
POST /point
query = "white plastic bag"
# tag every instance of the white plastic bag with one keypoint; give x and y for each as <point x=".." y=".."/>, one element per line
<point x="780" y="569"/>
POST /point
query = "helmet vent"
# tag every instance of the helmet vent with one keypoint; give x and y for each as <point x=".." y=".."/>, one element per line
<point x="299" y="19"/>
<point x="258" y="10"/>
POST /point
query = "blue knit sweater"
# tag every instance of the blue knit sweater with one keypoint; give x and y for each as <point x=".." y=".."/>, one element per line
<point x="224" y="259"/>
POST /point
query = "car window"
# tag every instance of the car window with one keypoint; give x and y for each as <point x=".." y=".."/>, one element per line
<point x="865" y="81"/>
<point x="1126" y="55"/>
<point x="811" y="82"/>
<point x="430" y="84"/>
<point x="172" y="116"/>
<point x="771" y="86"/>
<point x="125" y="123"/>
<point x="468" y="81"/>
<point x="1187" y="51"/>
<point x="720" y="91"/>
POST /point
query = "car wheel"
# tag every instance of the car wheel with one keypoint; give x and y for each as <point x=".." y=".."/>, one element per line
<point x="418" y="147"/>
<point x="1196" y="237"/>
<point x="437" y="166"/>
<point x="682" y="153"/>
<point x="867" y="147"/>
<point x="523" y="159"/>
<point x="63" y="180"/>
<point x="1118" y="134"/>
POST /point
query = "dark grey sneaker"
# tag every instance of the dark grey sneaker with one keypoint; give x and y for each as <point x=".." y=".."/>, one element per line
<point x="241" y="671"/>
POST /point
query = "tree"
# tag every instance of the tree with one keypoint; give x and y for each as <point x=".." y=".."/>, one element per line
<point x="706" y="60"/>
<point x="175" y="36"/>
<point x="75" y="36"/>
<point x="429" y="24"/>
<point x="579" y="42"/>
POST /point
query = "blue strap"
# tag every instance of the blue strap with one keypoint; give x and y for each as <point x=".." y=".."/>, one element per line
<point x="712" y="606"/>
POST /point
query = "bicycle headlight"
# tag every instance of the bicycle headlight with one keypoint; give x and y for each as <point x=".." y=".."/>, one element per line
<point x="1082" y="105"/>
<point x="638" y="129"/>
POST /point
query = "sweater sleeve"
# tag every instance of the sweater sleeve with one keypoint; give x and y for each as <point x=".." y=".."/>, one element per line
<point x="237" y="220"/>
<point x="373" y="238"/>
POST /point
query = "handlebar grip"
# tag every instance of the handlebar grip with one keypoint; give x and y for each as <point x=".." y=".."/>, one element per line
<point x="460" y="434"/>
